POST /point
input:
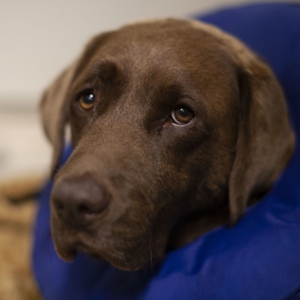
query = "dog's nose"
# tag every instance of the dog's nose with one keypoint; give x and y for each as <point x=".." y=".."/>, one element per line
<point x="78" y="202"/>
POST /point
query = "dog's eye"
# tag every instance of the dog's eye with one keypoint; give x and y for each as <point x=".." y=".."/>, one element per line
<point x="182" y="115"/>
<point x="86" y="101"/>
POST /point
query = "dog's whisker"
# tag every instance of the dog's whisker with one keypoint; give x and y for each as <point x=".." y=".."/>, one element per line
<point x="151" y="256"/>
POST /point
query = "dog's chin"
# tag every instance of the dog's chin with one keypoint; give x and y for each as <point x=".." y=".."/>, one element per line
<point x="120" y="261"/>
<point x="133" y="259"/>
<point x="67" y="255"/>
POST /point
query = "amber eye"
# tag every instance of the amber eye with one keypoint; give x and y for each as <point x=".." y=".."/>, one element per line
<point x="182" y="115"/>
<point x="86" y="101"/>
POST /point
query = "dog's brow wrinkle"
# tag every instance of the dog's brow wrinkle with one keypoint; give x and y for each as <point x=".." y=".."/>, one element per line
<point x="106" y="70"/>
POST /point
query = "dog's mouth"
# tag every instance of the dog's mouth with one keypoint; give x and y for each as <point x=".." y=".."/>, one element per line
<point x="70" y="252"/>
<point x="130" y="253"/>
<point x="68" y="243"/>
<point x="67" y="254"/>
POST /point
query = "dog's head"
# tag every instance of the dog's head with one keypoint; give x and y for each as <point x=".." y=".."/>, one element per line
<point x="170" y="120"/>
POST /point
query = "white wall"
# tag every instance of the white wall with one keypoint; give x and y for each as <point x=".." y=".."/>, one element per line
<point x="38" y="37"/>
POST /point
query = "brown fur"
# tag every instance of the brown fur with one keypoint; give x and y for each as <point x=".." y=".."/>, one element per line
<point x="136" y="183"/>
<point x="16" y="222"/>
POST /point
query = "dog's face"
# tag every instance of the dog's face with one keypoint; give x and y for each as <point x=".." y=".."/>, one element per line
<point x="169" y="119"/>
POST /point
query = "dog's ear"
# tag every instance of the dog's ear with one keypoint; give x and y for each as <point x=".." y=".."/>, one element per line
<point x="54" y="102"/>
<point x="53" y="110"/>
<point x="265" y="140"/>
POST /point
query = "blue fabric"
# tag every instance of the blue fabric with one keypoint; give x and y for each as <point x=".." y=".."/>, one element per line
<point x="259" y="258"/>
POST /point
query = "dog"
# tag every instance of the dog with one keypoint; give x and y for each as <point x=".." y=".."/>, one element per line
<point x="176" y="126"/>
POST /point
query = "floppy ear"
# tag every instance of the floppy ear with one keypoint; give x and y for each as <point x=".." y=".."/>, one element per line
<point x="54" y="106"/>
<point x="265" y="139"/>
<point x="53" y="110"/>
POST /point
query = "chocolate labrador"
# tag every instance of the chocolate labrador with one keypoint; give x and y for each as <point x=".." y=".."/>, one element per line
<point x="176" y="127"/>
